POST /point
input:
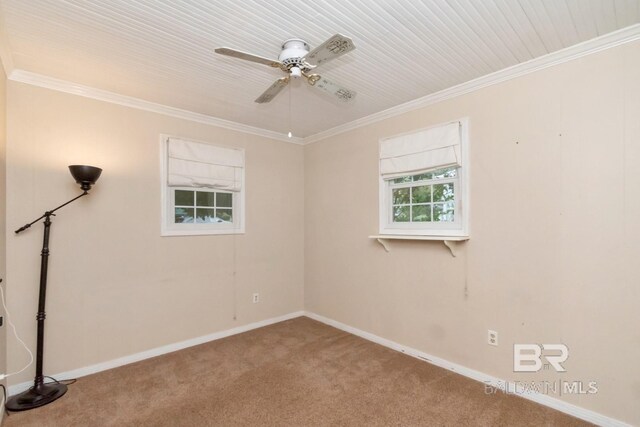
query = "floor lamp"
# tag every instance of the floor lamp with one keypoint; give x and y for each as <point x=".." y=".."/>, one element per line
<point x="40" y="393"/>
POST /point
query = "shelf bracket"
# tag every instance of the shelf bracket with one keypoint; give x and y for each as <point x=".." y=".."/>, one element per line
<point x="452" y="246"/>
<point x="383" y="243"/>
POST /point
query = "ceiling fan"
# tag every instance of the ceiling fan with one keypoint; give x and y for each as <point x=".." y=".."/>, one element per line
<point x="296" y="60"/>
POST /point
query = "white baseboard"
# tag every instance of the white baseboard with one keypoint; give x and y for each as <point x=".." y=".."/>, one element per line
<point x="170" y="348"/>
<point x="543" y="399"/>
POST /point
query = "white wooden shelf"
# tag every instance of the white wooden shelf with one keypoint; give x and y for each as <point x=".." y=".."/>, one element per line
<point x="449" y="241"/>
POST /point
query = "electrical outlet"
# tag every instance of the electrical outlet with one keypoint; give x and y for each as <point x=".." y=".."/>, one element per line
<point x="256" y="298"/>
<point x="492" y="337"/>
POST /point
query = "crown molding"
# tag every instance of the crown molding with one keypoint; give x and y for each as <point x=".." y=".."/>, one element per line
<point x="52" y="83"/>
<point x="607" y="41"/>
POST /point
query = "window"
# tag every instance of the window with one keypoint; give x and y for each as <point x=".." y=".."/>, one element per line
<point x="202" y="207"/>
<point x="202" y="188"/>
<point x="423" y="182"/>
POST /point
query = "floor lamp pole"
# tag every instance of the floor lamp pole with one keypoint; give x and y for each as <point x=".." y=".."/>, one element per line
<point x="47" y="392"/>
<point x="42" y="315"/>
<point x="40" y="393"/>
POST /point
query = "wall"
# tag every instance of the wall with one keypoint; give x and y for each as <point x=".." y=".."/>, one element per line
<point x="554" y="232"/>
<point x="3" y="143"/>
<point x="115" y="286"/>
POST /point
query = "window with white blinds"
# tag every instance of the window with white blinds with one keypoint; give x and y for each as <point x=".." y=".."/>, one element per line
<point x="202" y="188"/>
<point x="424" y="181"/>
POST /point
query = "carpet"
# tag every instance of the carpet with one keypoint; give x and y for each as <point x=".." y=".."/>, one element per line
<point x="295" y="373"/>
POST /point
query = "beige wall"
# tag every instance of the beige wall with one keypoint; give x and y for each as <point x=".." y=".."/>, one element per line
<point x="115" y="286"/>
<point x="3" y="144"/>
<point x="555" y="232"/>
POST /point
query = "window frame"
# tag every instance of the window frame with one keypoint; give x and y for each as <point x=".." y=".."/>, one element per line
<point x="195" y="206"/>
<point x="458" y="228"/>
<point x="167" y="200"/>
<point x="444" y="225"/>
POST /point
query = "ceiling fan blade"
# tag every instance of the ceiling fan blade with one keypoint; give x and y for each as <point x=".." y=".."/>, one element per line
<point x="273" y="90"/>
<point x="336" y="46"/>
<point x="343" y="94"/>
<point x="248" y="57"/>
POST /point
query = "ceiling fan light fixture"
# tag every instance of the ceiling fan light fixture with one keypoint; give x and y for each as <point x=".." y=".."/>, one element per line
<point x="295" y="72"/>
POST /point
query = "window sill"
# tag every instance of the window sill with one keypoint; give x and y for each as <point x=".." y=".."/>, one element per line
<point x="450" y="242"/>
<point x="171" y="233"/>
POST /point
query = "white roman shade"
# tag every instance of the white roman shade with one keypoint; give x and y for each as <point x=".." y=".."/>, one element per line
<point x="421" y="151"/>
<point x="195" y="164"/>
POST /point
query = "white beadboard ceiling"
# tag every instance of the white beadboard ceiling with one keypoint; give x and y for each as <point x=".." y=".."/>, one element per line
<point x="162" y="50"/>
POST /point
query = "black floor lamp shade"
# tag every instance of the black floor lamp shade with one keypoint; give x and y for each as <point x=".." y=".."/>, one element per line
<point x="84" y="175"/>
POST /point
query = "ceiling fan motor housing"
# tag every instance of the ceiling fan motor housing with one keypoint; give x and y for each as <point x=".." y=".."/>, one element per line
<point x="293" y="52"/>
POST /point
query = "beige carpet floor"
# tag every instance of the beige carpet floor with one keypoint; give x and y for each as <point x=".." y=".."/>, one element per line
<point x="295" y="373"/>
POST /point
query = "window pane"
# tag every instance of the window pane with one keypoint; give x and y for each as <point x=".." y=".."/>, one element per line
<point x="443" y="192"/>
<point x="205" y="215"/>
<point x="421" y="213"/>
<point x="400" y="196"/>
<point x="445" y="173"/>
<point x="184" y="198"/>
<point x="225" y="215"/>
<point x="402" y="179"/>
<point x="422" y="177"/>
<point x="449" y="214"/>
<point x="443" y="212"/>
<point x="421" y="194"/>
<point x="224" y="200"/>
<point x="401" y="213"/>
<point x="183" y="215"/>
<point x="205" y="198"/>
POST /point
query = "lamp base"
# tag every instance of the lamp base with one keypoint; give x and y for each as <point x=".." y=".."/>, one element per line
<point x="36" y="396"/>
